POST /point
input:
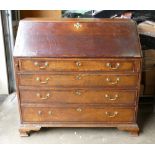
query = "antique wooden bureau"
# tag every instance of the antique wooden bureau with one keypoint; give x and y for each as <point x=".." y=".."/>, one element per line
<point x="77" y="73"/>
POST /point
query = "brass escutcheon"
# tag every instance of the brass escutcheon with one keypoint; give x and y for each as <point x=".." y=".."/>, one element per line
<point x="50" y="112"/>
<point x="39" y="112"/>
<point x="78" y="77"/>
<point x="78" y="63"/>
<point x="78" y="92"/>
<point x="78" y="109"/>
<point x="77" y="25"/>
<point x="113" y="67"/>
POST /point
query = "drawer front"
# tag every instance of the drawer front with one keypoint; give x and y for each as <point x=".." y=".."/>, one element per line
<point x="80" y="96"/>
<point x="77" y="114"/>
<point x="78" y="80"/>
<point x="78" y="65"/>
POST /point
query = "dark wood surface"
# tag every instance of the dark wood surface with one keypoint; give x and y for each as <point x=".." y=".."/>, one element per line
<point x="60" y="38"/>
<point x="93" y="82"/>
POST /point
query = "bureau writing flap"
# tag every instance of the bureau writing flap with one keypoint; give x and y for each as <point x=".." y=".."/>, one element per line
<point x="77" y="38"/>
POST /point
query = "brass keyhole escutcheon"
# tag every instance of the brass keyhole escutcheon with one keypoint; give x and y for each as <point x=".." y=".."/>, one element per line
<point x="77" y="25"/>
<point x="78" y="93"/>
<point x="78" y="77"/>
<point x="113" y="67"/>
<point x="78" y="109"/>
<point x="39" y="112"/>
<point x="50" y="112"/>
<point x="78" y="64"/>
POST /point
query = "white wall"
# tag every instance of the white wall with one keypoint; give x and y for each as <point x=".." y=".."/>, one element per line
<point x="3" y="69"/>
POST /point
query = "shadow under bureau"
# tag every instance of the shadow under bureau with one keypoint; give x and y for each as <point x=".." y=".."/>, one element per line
<point x="77" y="73"/>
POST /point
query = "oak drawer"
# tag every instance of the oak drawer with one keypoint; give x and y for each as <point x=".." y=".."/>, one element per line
<point x="78" y="65"/>
<point x="79" y="80"/>
<point x="79" y="96"/>
<point x="77" y="114"/>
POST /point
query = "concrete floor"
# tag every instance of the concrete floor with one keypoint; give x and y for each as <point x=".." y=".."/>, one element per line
<point x="9" y="119"/>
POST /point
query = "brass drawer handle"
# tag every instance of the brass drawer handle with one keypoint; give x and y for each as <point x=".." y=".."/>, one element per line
<point x="113" y="67"/>
<point x="50" y="112"/>
<point x="111" y="82"/>
<point x="78" y="92"/>
<point x="77" y="25"/>
<point x="110" y="98"/>
<point x="111" y="114"/>
<point x="42" y="82"/>
<point x="41" y="67"/>
<point x="78" y="109"/>
<point x="43" y="98"/>
<point x="78" y="64"/>
<point x="39" y="112"/>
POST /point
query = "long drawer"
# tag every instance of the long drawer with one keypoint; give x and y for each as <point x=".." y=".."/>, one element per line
<point x="77" y="114"/>
<point x="78" y="80"/>
<point x="79" y="96"/>
<point x="78" y="65"/>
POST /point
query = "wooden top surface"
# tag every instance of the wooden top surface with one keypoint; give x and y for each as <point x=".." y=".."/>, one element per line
<point x="95" y="38"/>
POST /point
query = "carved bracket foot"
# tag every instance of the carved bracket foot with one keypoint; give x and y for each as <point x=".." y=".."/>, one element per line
<point x="25" y="130"/>
<point x="132" y="129"/>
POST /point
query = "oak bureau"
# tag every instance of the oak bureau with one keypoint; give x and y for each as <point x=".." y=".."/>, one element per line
<point x="77" y="73"/>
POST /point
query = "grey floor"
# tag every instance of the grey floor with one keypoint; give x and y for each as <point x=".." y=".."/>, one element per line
<point x="9" y="119"/>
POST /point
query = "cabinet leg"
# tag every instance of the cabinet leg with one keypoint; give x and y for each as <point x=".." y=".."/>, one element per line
<point x="132" y="129"/>
<point x="134" y="133"/>
<point x="24" y="130"/>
